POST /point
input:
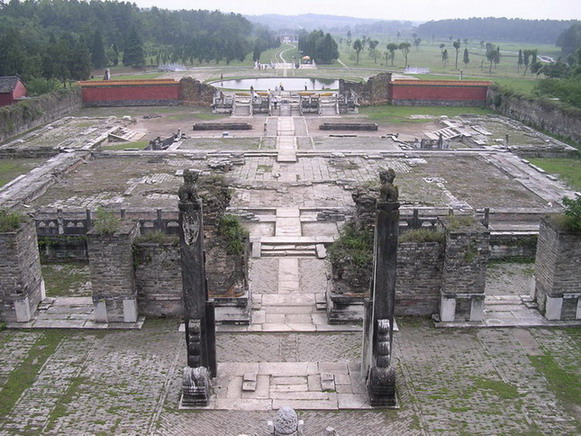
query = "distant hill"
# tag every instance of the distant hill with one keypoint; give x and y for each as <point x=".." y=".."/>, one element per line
<point x="329" y="23"/>
<point x="496" y="29"/>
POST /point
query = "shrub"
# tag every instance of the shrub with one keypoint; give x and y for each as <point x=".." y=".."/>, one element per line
<point x="106" y="221"/>
<point x="234" y="234"/>
<point x="422" y="235"/>
<point x="572" y="218"/>
<point x="9" y="221"/>
<point x="157" y="237"/>
<point x="352" y="244"/>
<point x="456" y="222"/>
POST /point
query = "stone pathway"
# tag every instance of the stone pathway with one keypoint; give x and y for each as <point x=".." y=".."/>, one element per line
<point x="286" y="142"/>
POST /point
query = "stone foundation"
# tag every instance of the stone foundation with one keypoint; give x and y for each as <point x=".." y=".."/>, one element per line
<point x="21" y="284"/>
<point x="558" y="272"/>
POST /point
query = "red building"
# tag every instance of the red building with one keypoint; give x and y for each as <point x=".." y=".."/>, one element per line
<point x="438" y="92"/>
<point x="11" y="90"/>
<point x="155" y="92"/>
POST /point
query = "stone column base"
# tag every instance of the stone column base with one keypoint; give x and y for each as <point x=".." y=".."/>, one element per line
<point x="566" y="307"/>
<point x="461" y="307"/>
<point x="109" y="310"/>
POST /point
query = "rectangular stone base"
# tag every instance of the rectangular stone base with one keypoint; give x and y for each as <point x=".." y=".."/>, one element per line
<point x="115" y="310"/>
<point x="461" y="307"/>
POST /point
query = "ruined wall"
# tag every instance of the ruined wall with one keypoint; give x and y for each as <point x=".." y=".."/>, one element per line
<point x="375" y="91"/>
<point x="543" y="115"/>
<point x="112" y="274"/>
<point x="20" y="273"/>
<point x="418" y="278"/>
<point x="196" y="93"/>
<point x="158" y="279"/>
<point x="37" y="111"/>
<point x="160" y="92"/>
<point x="557" y="271"/>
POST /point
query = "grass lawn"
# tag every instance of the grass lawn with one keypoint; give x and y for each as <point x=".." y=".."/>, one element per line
<point x="12" y="168"/>
<point x="66" y="279"/>
<point x="568" y="169"/>
<point x="401" y="114"/>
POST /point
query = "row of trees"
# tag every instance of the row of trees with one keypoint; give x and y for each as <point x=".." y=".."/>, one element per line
<point x="319" y="46"/>
<point x="497" y="29"/>
<point x="64" y="39"/>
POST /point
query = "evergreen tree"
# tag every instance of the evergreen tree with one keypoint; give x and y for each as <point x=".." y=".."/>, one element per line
<point x="79" y="61"/>
<point x="133" y="54"/>
<point x="445" y="57"/>
<point x="520" y="61"/>
<point x="456" y="45"/>
<point x="98" y="56"/>
<point x="466" y="58"/>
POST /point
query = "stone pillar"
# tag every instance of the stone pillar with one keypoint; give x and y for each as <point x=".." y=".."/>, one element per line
<point x="466" y="256"/>
<point x="377" y="366"/>
<point x="112" y="273"/>
<point x="21" y="284"/>
<point x="198" y="310"/>
<point x="558" y="272"/>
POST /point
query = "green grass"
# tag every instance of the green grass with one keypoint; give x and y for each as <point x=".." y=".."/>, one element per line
<point x="64" y="279"/>
<point x="12" y="168"/>
<point x="568" y="169"/>
<point x="401" y="114"/>
<point x="24" y="375"/>
<point x="62" y="406"/>
<point x="565" y="384"/>
<point x="137" y="76"/>
<point x="503" y="390"/>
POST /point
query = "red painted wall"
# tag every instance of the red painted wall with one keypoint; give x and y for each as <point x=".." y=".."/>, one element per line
<point x="143" y="92"/>
<point x="438" y="92"/>
<point x="6" y="99"/>
<point x="19" y="90"/>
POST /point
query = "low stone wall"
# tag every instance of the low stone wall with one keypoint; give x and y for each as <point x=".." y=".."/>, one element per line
<point x="158" y="279"/>
<point x="59" y="248"/>
<point x="21" y="285"/>
<point x="349" y="126"/>
<point x="222" y="126"/>
<point x="418" y="278"/>
<point x="521" y="245"/>
<point x="540" y="114"/>
<point x="437" y="102"/>
<point x="37" y="111"/>
<point x="558" y="272"/>
<point x="376" y="90"/>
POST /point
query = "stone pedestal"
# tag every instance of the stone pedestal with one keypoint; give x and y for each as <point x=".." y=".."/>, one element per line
<point x="558" y="272"/>
<point x="467" y="249"/>
<point x="112" y="274"/>
<point x="21" y="284"/>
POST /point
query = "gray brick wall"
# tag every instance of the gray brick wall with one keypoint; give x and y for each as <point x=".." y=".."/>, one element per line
<point x="20" y="273"/>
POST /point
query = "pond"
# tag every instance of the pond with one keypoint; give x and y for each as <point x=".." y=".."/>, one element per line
<point x="289" y="83"/>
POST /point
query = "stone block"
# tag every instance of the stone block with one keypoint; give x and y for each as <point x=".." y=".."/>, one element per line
<point x="130" y="310"/>
<point x="327" y="382"/>
<point x="447" y="308"/>
<point x="578" y="312"/>
<point x="249" y="382"/>
<point x="477" y="309"/>
<point x="100" y="311"/>
<point x="22" y="309"/>
<point x="553" y="306"/>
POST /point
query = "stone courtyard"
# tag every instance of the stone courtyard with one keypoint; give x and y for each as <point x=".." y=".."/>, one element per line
<point x="292" y="188"/>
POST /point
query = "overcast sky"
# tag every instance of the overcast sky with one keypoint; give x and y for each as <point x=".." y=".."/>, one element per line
<point x="415" y="10"/>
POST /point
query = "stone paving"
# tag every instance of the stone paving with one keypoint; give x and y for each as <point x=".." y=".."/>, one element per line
<point x="470" y="381"/>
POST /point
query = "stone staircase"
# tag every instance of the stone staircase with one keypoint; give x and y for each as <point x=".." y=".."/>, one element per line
<point x="447" y="133"/>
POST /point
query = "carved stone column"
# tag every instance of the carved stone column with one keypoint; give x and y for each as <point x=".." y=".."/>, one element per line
<point x="198" y="310"/>
<point x="377" y="366"/>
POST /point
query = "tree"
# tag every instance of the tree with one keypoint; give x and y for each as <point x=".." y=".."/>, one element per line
<point x="133" y="54"/>
<point x="391" y="48"/>
<point x="357" y="46"/>
<point x="491" y="54"/>
<point x="404" y="47"/>
<point x="456" y="45"/>
<point x="466" y="58"/>
<point x="98" y="56"/>
<point x="570" y="39"/>
<point x="442" y="46"/>
<point x="417" y="42"/>
<point x="520" y="61"/>
<point x="373" y="49"/>
<point x="497" y="57"/>
<point x="349" y="40"/>
<point x="445" y="57"/>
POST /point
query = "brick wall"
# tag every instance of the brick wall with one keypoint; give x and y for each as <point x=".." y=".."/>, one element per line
<point x="557" y="267"/>
<point x="158" y="279"/>
<point x="20" y="273"/>
<point x="112" y="273"/>
<point x="423" y="92"/>
<point x="418" y="278"/>
<point x="131" y="93"/>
